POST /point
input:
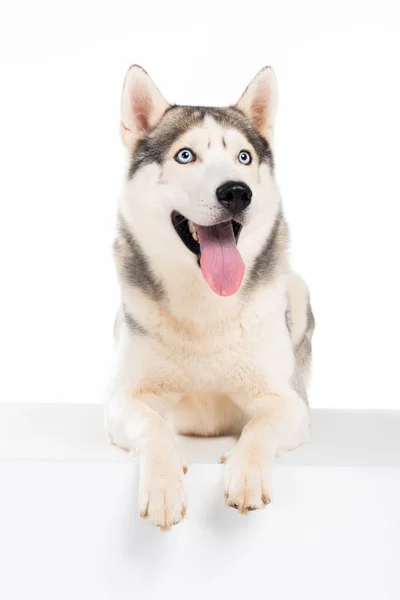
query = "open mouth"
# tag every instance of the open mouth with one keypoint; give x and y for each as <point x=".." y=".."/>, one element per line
<point x="216" y="247"/>
<point x="187" y="231"/>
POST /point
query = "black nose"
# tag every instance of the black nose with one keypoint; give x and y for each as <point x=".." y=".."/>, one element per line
<point x="235" y="196"/>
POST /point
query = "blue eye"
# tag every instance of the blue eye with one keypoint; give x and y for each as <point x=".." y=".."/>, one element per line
<point x="244" y="157"/>
<point x="184" y="156"/>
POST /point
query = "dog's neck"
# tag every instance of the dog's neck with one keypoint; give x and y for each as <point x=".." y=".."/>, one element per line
<point x="189" y="297"/>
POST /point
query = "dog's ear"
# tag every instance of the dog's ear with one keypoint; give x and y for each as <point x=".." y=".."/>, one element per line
<point x="260" y="102"/>
<point x="142" y="106"/>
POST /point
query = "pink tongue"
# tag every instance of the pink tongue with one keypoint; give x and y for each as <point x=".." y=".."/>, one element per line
<point x="220" y="261"/>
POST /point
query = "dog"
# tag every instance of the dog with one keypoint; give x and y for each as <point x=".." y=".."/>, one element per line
<point x="214" y="330"/>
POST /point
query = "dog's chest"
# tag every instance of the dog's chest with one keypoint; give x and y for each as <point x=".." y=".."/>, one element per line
<point x="246" y="348"/>
<point x="222" y="359"/>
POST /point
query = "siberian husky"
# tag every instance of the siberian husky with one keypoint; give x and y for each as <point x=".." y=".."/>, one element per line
<point x="214" y="328"/>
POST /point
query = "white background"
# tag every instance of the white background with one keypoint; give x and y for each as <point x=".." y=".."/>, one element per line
<point x="62" y="164"/>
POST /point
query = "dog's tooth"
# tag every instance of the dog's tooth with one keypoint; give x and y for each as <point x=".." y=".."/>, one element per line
<point x="193" y="231"/>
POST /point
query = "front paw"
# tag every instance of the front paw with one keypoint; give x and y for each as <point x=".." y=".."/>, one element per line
<point x="162" y="496"/>
<point x="247" y="479"/>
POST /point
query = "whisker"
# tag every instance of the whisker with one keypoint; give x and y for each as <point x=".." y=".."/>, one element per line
<point x="182" y="220"/>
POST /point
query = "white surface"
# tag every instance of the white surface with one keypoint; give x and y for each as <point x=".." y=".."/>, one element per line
<point x="62" y="67"/>
<point x="70" y="529"/>
<point x="65" y="432"/>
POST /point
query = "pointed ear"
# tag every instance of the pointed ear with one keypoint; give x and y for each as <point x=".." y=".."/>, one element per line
<point x="142" y="106"/>
<point x="259" y="102"/>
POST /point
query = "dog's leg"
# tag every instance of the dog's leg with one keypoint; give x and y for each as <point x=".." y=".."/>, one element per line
<point x="135" y="422"/>
<point x="301" y="323"/>
<point x="277" y="422"/>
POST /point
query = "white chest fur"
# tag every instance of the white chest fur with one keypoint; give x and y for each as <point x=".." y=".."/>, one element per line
<point x="248" y="348"/>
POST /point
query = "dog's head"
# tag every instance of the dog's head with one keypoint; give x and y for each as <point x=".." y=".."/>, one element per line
<point x="199" y="175"/>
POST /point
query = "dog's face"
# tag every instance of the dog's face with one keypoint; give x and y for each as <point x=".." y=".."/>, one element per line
<point x="199" y="175"/>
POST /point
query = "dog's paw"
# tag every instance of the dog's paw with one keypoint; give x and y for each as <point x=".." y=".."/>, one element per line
<point x="247" y="480"/>
<point x="162" y="496"/>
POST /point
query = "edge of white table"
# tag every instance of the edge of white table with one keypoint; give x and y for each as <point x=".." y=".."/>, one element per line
<point x="69" y="526"/>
